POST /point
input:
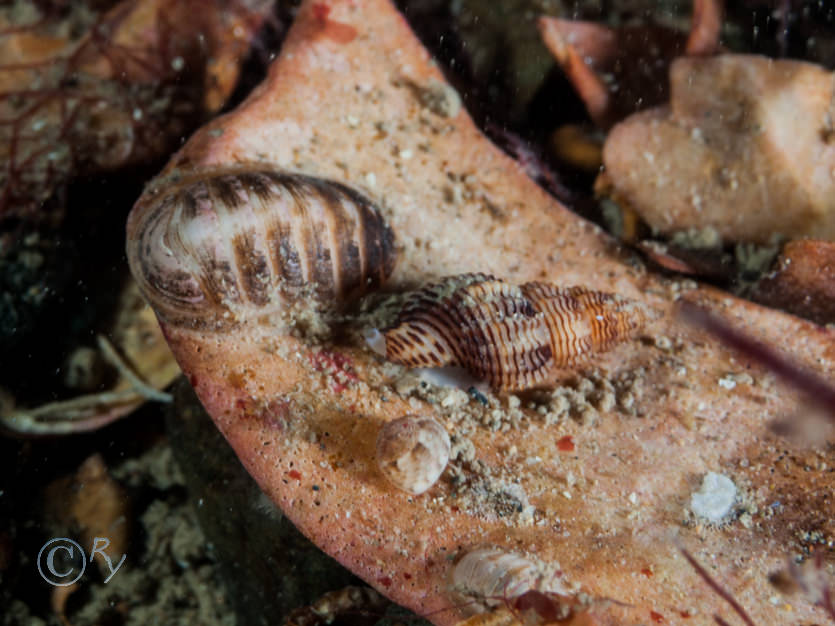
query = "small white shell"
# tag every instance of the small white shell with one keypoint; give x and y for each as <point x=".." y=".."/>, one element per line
<point x="491" y="576"/>
<point x="412" y="452"/>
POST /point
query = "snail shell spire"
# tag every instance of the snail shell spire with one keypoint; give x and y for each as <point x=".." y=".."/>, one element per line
<point x="514" y="337"/>
<point x="217" y="247"/>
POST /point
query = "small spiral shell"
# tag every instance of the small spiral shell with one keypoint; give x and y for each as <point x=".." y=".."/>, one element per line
<point x="217" y="247"/>
<point x="412" y="452"/>
<point x="514" y="337"/>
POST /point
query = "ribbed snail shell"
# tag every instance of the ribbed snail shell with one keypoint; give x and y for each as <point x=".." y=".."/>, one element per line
<point x="514" y="337"/>
<point x="491" y="576"/>
<point x="412" y="452"/>
<point x="217" y="247"/>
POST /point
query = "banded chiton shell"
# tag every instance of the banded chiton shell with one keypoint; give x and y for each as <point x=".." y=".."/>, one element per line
<point x="514" y="337"/>
<point x="214" y="248"/>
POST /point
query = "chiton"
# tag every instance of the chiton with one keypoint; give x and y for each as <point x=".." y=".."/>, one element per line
<point x="487" y="577"/>
<point x="412" y="452"/>
<point x="512" y="336"/>
<point x="214" y="248"/>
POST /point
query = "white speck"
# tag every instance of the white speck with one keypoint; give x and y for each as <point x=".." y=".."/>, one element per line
<point x="567" y="494"/>
<point x="375" y="340"/>
<point x="370" y="179"/>
<point x="633" y="498"/>
<point x="352" y="121"/>
<point x="599" y="318"/>
<point x="449" y="377"/>
<point x="178" y="63"/>
<point x="727" y="382"/>
<point x="406" y="154"/>
<point x="715" y="498"/>
<point x="456" y="398"/>
<point x="137" y="114"/>
<point x="696" y="201"/>
<point x="663" y="343"/>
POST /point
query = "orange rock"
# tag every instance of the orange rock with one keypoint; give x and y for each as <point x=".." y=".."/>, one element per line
<point x="598" y="516"/>
<point x="93" y="505"/>
<point x="745" y="146"/>
<point x="97" y="509"/>
<point x="577" y="148"/>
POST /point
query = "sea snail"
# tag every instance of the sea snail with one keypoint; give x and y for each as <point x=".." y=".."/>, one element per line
<point x="215" y="248"/>
<point x="513" y="337"/>
<point x="412" y="452"/>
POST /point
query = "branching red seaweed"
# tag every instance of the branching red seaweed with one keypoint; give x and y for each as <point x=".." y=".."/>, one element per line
<point x="121" y="93"/>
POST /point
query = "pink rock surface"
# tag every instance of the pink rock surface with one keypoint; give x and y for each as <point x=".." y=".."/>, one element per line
<point x="354" y="97"/>
<point x="745" y="146"/>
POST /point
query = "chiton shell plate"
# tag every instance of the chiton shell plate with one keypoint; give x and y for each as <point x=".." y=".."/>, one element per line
<point x="216" y="247"/>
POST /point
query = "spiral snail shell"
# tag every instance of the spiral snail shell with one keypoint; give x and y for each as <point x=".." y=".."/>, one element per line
<point x="514" y="337"/>
<point x="412" y="452"/>
<point x="214" y="248"/>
